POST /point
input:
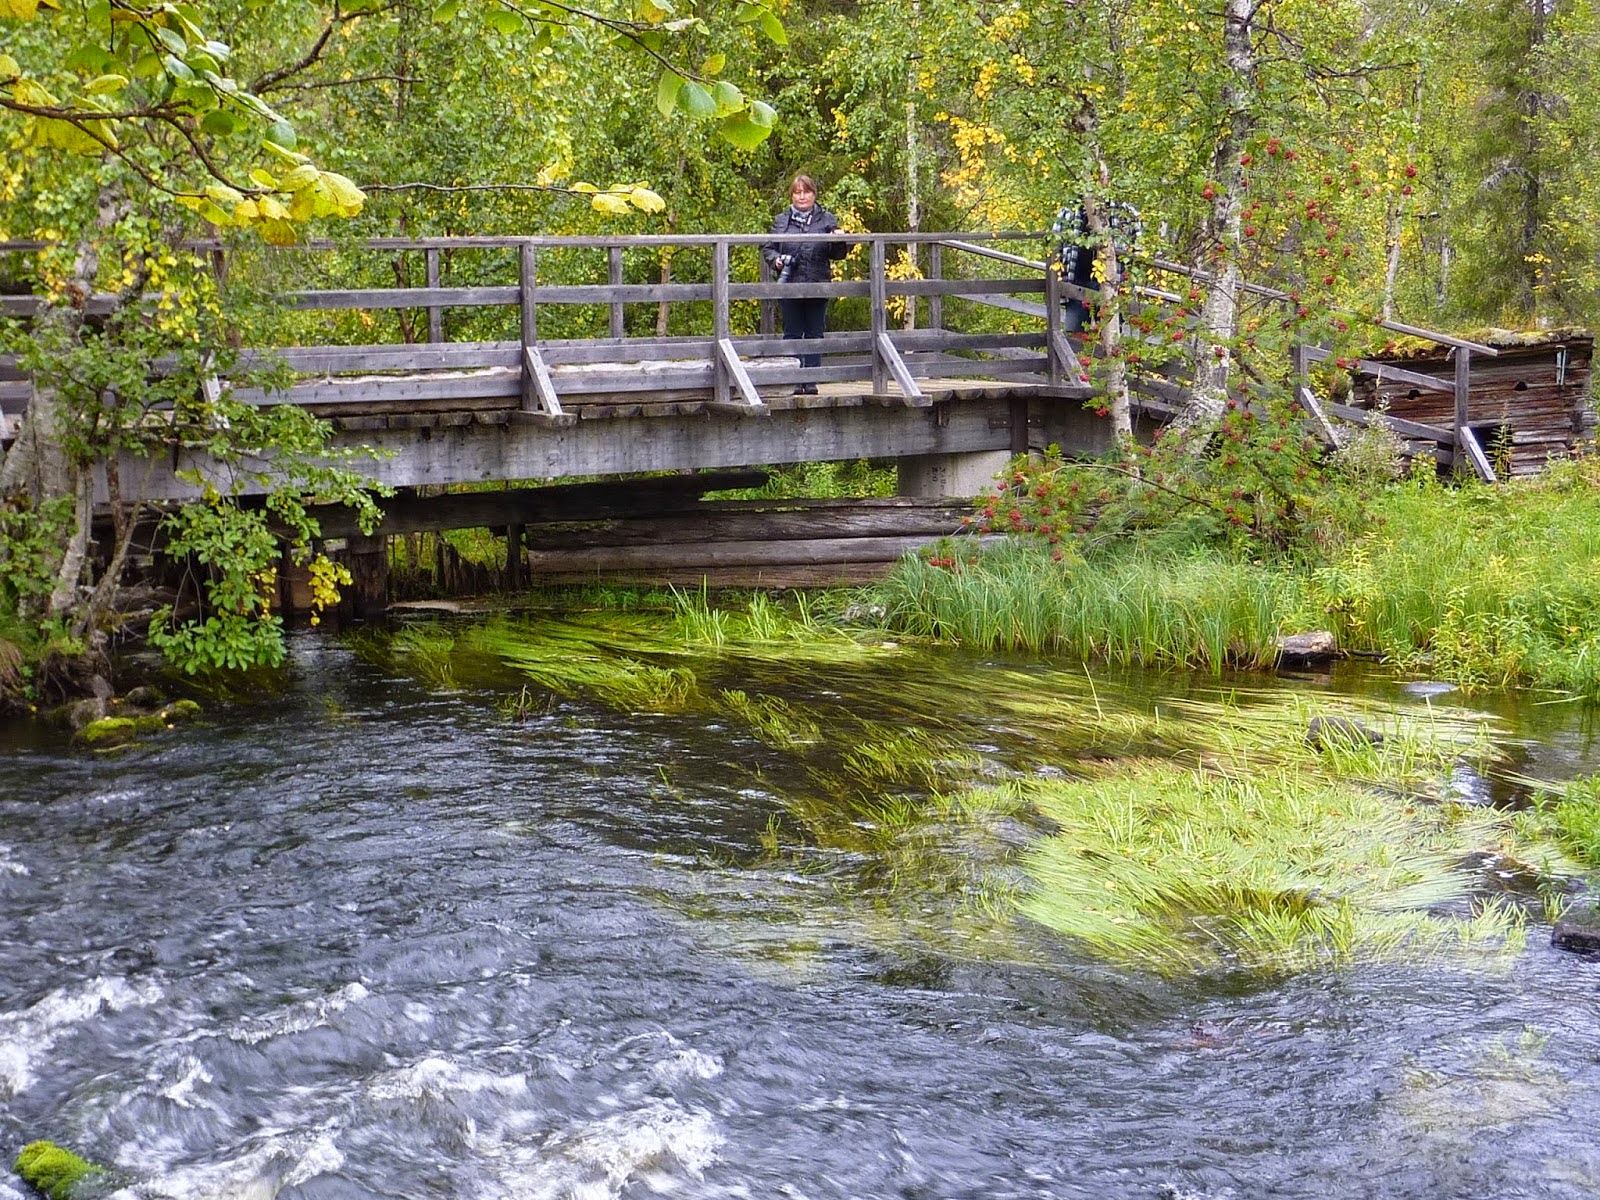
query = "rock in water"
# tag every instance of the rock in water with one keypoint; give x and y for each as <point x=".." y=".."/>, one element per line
<point x="1324" y="732"/>
<point x="1299" y="649"/>
<point x="57" y="1173"/>
<point x="1578" y="930"/>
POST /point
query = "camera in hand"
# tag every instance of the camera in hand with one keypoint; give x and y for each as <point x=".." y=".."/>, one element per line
<point x="787" y="271"/>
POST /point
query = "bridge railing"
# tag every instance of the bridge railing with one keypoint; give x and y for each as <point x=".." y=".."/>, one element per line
<point x="948" y="317"/>
<point x="732" y="362"/>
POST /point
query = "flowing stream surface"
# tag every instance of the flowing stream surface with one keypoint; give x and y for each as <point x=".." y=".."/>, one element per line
<point x="376" y="937"/>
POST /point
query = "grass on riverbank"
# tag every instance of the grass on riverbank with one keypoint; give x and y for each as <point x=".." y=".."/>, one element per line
<point x="1486" y="587"/>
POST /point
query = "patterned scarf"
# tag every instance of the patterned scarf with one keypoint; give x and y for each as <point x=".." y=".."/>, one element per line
<point x="802" y="219"/>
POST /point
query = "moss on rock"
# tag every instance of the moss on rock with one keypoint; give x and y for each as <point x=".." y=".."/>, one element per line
<point x="180" y="710"/>
<point x="110" y="731"/>
<point x="57" y="1173"/>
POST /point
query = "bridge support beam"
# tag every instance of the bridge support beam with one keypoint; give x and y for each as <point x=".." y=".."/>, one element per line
<point x="929" y="476"/>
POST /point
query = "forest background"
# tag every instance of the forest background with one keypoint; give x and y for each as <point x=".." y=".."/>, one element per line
<point x="1432" y="162"/>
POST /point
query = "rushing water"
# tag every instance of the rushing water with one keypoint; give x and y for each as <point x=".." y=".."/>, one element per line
<point x="373" y="939"/>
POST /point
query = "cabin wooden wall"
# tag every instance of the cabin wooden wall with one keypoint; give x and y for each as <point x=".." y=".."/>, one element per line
<point x="1538" y="393"/>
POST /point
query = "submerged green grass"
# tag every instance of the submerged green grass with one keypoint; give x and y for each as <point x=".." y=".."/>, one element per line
<point x="963" y="810"/>
<point x="1170" y="870"/>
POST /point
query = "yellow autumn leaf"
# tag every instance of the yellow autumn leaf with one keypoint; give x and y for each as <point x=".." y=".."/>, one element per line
<point x="299" y="179"/>
<point x="645" y="200"/>
<point x="223" y="194"/>
<point x="21" y="10"/>
<point x="346" y="195"/>
<point x="610" y="203"/>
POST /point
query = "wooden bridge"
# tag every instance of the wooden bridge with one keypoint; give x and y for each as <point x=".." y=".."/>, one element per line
<point x="963" y="356"/>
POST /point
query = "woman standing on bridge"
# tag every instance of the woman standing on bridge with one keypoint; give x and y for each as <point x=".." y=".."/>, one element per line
<point x="804" y="262"/>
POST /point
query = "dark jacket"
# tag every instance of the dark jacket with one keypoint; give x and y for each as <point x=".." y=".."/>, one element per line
<point x="813" y="260"/>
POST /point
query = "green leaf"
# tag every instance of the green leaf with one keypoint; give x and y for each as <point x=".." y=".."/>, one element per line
<point x="762" y="114"/>
<point x="667" y="88"/>
<point x="105" y="83"/>
<point x="772" y="27"/>
<point x="696" y="101"/>
<point x="283" y="133"/>
<point x="743" y="132"/>
<point x="263" y="179"/>
<point x="292" y="157"/>
<point x="502" y="21"/>
<point x="147" y="66"/>
<point x="714" y="64"/>
<point x="219" y="123"/>
<point x="88" y="59"/>
<point x="8" y="66"/>
<point x="177" y="68"/>
<point x="170" y="38"/>
<point x="446" y="12"/>
<point x="727" y="98"/>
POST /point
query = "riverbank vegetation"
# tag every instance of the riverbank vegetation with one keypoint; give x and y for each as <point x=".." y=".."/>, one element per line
<point x="1484" y="586"/>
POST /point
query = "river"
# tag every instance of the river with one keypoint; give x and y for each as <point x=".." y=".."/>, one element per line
<point x="371" y="937"/>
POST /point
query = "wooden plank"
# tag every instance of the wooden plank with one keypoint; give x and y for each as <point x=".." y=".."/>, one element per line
<point x="390" y="390"/>
<point x="785" y="578"/>
<point x="435" y="313"/>
<point x="799" y="291"/>
<point x="527" y="275"/>
<point x="716" y="525"/>
<point x="1313" y="407"/>
<point x="964" y="287"/>
<point x="614" y="278"/>
<point x="1063" y="355"/>
<point x="877" y="276"/>
<point x="381" y="298"/>
<point x="739" y="376"/>
<point x="903" y="377"/>
<point x="1473" y="453"/>
<point x="1463" y="397"/>
<point x="936" y="301"/>
<point x="721" y="329"/>
<point x="1025" y="307"/>
<point x="1383" y="371"/>
<point x="721" y="554"/>
<point x="538" y="392"/>
<point x="334" y="360"/>
<point x="1405" y="428"/>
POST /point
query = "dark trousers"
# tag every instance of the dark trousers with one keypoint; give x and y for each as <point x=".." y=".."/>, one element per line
<point x="804" y="319"/>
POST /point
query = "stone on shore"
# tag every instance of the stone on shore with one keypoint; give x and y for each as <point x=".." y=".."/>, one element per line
<point x="1302" y="649"/>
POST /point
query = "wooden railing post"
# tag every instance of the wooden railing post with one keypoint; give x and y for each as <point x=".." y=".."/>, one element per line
<point x="936" y="271"/>
<point x="769" y="308"/>
<point x="1463" y="392"/>
<point x="614" y="276"/>
<point x="1052" y="324"/>
<point x="525" y="278"/>
<point x="720" y="319"/>
<point x="878" y="284"/>
<point x="1300" y="369"/>
<point x="435" y="313"/>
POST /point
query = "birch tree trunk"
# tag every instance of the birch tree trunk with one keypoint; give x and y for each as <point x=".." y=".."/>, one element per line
<point x="1219" y="315"/>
